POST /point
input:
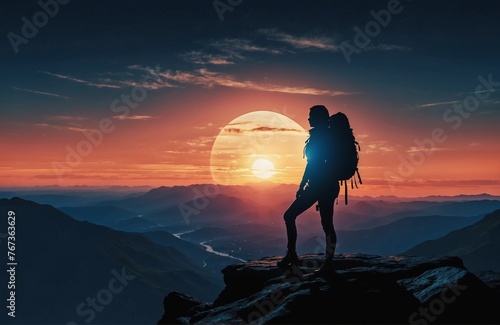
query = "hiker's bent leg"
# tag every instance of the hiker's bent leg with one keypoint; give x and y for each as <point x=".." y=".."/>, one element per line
<point x="298" y="206"/>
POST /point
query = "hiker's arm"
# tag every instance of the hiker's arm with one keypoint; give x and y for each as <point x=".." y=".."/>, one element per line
<point x="305" y="177"/>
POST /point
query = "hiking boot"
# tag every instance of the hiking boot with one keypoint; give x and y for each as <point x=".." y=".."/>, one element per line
<point x="326" y="268"/>
<point x="290" y="258"/>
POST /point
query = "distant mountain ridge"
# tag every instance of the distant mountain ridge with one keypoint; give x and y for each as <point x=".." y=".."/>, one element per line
<point x="478" y="244"/>
<point x="394" y="237"/>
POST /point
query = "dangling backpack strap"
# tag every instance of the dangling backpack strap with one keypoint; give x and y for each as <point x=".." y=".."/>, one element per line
<point x="345" y="186"/>
<point x="359" y="177"/>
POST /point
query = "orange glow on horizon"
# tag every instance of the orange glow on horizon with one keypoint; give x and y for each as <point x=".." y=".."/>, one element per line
<point x="174" y="147"/>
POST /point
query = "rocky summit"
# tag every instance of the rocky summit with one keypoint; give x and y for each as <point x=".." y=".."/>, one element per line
<point x="364" y="289"/>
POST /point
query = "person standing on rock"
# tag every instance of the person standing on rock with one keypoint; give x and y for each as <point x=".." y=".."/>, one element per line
<point x="316" y="186"/>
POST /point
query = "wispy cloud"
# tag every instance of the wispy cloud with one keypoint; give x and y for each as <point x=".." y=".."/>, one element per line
<point x="39" y="92"/>
<point x="324" y="43"/>
<point x="209" y="125"/>
<point x="88" y="83"/>
<point x="241" y="123"/>
<point x="147" y="83"/>
<point x="133" y="117"/>
<point x="201" y="141"/>
<point x="66" y="118"/>
<point x="61" y="127"/>
<point x="206" y="78"/>
<point x="439" y="103"/>
<point x="151" y="78"/>
<point x="453" y="102"/>
<point x="156" y="78"/>
<point x="377" y="147"/>
<point x="273" y="129"/>
<point x="420" y="149"/>
<point x="260" y="129"/>
<point x="236" y="47"/>
<point x="199" y="57"/>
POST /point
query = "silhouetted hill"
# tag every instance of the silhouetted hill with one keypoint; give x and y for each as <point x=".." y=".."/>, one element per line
<point x="366" y="289"/>
<point x="478" y="244"/>
<point x="394" y="237"/>
<point x="62" y="262"/>
<point x="111" y="216"/>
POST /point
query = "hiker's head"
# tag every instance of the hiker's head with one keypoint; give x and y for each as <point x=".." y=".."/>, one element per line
<point x="318" y="116"/>
<point x="339" y="121"/>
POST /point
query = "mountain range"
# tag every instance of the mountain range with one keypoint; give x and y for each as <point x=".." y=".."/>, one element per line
<point x="63" y="264"/>
<point x="75" y="250"/>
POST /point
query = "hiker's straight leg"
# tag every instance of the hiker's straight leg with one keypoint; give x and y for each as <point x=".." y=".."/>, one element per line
<point x="326" y="213"/>
<point x="326" y="206"/>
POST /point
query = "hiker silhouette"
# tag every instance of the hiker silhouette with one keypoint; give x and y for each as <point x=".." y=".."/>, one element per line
<point x="316" y="186"/>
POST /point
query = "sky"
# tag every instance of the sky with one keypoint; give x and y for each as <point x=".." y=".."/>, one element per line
<point x="139" y="92"/>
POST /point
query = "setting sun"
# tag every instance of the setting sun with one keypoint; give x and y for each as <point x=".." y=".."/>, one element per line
<point x="244" y="148"/>
<point x="263" y="168"/>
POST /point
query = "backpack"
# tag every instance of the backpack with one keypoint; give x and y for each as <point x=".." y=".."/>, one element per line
<point x="343" y="154"/>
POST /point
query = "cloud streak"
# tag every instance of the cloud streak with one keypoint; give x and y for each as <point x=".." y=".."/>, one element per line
<point x="302" y="42"/>
<point x="88" y="83"/>
<point x="439" y="103"/>
<point x="133" y="117"/>
<point x="235" y="47"/>
<point x="60" y="127"/>
<point x="40" y="92"/>
<point x="199" y="57"/>
<point x="260" y="129"/>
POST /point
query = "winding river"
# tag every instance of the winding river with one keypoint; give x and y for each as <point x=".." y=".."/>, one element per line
<point x="209" y="248"/>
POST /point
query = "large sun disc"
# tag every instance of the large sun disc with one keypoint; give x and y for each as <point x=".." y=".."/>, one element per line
<point x="256" y="146"/>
